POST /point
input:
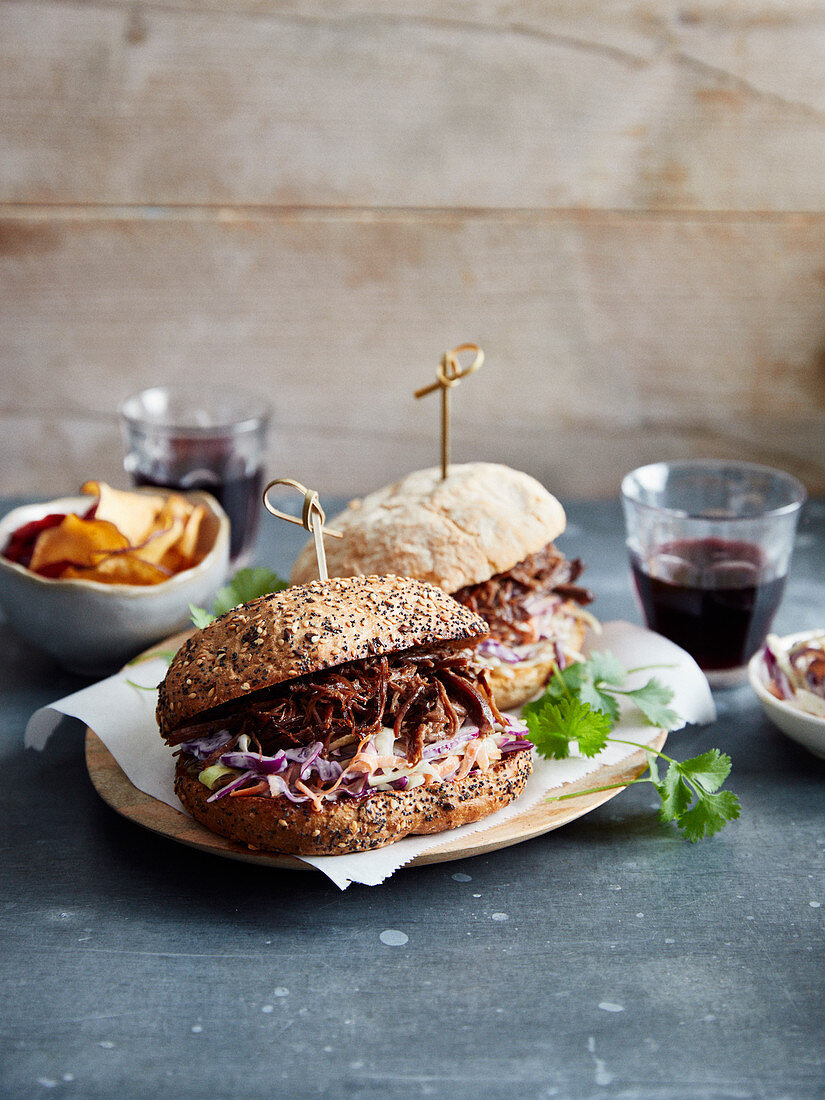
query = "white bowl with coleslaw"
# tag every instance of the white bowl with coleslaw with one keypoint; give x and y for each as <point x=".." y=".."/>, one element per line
<point x="800" y="713"/>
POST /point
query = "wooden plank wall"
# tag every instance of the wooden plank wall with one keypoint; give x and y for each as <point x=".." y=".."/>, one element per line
<point x="622" y="202"/>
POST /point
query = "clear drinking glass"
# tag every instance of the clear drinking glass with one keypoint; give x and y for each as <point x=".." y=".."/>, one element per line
<point x="710" y="543"/>
<point x="202" y="437"/>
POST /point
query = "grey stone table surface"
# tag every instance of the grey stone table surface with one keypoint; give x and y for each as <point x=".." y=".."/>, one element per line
<point x="609" y="958"/>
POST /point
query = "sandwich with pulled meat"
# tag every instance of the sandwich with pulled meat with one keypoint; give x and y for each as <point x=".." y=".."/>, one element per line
<point x="339" y="717"/>
<point x="485" y="534"/>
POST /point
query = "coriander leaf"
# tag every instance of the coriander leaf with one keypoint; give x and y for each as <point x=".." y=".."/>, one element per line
<point x="710" y="770"/>
<point x="577" y="680"/>
<point x="548" y="730"/>
<point x="710" y="813"/>
<point x="599" y="700"/>
<point x="605" y="668"/>
<point x="566" y="681"/>
<point x="553" y="726"/>
<point x="535" y="706"/>
<point x="652" y="699"/>
<point x="245" y="586"/>
<point x="676" y="795"/>
<point x="200" y="616"/>
<point x="592" y="734"/>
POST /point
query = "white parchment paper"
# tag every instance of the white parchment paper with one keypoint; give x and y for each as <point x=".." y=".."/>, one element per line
<point x="123" y="717"/>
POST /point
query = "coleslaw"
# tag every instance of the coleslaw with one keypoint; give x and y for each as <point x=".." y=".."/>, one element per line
<point x="379" y="762"/>
<point x="797" y="671"/>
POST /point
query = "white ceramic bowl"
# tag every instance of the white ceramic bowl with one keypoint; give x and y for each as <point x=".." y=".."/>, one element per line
<point x="804" y="728"/>
<point x="94" y="628"/>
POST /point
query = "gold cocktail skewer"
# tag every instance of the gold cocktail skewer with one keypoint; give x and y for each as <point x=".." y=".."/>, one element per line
<point x="449" y="374"/>
<point x="311" y="519"/>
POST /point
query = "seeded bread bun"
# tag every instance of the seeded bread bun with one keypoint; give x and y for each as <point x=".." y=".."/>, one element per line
<point x="482" y="519"/>
<point x="355" y="825"/>
<point x="301" y="630"/>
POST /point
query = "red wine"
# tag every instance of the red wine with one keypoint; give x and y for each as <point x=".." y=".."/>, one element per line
<point x="239" y="497"/>
<point x="713" y="597"/>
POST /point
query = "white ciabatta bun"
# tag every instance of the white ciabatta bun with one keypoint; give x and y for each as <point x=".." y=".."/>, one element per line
<point x="302" y="630"/>
<point x="355" y="824"/>
<point x="482" y="519"/>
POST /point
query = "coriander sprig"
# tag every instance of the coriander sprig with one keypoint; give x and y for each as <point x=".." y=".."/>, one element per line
<point x="244" y="586"/>
<point x="580" y="706"/>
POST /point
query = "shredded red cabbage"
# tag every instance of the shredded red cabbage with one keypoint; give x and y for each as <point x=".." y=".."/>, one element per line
<point x="358" y="787"/>
<point x="444" y="748"/>
<point x="491" y="648"/>
<point x="278" y="786"/>
<point x="231" y="786"/>
<point x="515" y="745"/>
<point x="305" y="755"/>
<point x="203" y="747"/>
<point x="515" y="725"/>
<point x="777" y="675"/>
<point x="542" y="605"/>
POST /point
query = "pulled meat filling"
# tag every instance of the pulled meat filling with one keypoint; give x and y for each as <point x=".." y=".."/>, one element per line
<point x="423" y="695"/>
<point x="507" y="600"/>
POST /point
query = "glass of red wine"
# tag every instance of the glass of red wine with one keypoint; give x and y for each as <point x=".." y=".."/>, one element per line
<point x="202" y="437"/>
<point x="710" y="544"/>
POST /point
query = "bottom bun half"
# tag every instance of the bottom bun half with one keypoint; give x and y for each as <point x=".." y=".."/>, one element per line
<point x="355" y="825"/>
<point x="515" y="684"/>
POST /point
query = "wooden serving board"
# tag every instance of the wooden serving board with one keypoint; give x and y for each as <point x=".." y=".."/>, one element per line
<point x="116" y="790"/>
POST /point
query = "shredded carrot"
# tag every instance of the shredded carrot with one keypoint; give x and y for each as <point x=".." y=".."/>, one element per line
<point x="447" y="765"/>
<point x="388" y="763"/>
<point x="317" y="801"/>
<point x="363" y="764"/>
<point x="259" y="788"/>
<point x="487" y="755"/>
<point x="493" y="754"/>
<point x="470" y="754"/>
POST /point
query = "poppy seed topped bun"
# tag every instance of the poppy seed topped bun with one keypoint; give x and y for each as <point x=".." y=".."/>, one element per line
<point x="339" y="717"/>
<point x="482" y="519"/>
<point x="302" y="630"/>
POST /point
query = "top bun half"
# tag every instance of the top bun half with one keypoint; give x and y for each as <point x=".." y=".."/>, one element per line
<point x="302" y="630"/>
<point x="482" y="519"/>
